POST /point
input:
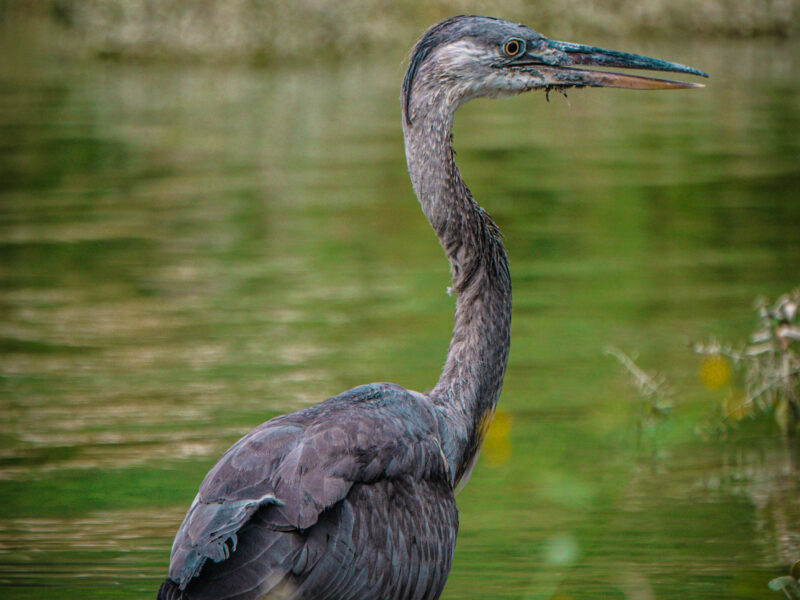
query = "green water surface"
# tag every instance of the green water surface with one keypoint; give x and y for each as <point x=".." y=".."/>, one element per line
<point x="188" y="250"/>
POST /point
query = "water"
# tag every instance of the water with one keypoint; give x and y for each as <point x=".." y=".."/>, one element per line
<point x="190" y="250"/>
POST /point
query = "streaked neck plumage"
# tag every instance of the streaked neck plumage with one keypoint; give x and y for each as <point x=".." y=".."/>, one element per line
<point x="469" y="387"/>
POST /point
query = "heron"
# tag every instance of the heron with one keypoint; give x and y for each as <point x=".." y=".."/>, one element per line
<point x="354" y="498"/>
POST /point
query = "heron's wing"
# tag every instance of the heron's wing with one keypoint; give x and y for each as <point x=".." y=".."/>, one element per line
<point x="390" y="539"/>
<point x="292" y="468"/>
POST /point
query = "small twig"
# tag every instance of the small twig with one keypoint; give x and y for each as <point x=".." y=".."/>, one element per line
<point x="646" y="383"/>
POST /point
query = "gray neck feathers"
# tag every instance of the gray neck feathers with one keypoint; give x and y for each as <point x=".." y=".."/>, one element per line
<point x="469" y="387"/>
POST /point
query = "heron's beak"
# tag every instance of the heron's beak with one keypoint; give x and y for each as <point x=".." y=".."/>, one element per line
<point x="558" y="63"/>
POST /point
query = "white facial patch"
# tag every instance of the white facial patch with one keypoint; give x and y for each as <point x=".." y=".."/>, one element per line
<point x="473" y="69"/>
<point x="462" y="56"/>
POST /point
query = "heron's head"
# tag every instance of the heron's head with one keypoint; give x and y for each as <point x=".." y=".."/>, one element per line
<point x="468" y="56"/>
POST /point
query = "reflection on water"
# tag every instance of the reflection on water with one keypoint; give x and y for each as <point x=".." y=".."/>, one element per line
<point x="188" y="251"/>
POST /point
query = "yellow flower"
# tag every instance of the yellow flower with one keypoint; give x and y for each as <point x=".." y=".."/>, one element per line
<point x="497" y="445"/>
<point x="715" y="372"/>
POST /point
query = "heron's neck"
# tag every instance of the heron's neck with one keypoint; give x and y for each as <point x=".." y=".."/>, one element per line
<point x="469" y="387"/>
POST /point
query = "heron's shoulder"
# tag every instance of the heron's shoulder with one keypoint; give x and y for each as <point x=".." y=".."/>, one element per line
<point x="387" y="429"/>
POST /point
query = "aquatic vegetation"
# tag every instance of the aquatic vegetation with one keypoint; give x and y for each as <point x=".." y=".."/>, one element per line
<point x="653" y="389"/>
<point x="761" y="376"/>
<point x="788" y="584"/>
<point x="768" y="364"/>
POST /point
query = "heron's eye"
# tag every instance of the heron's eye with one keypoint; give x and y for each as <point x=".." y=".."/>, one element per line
<point x="513" y="47"/>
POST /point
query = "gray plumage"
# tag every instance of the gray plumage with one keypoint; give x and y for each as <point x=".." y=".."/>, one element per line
<point x="355" y="497"/>
<point x="299" y="506"/>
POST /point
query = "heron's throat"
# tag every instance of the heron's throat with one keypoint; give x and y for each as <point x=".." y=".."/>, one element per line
<point x="472" y="378"/>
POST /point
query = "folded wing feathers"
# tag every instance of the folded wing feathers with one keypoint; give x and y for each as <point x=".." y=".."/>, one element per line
<point x="211" y="531"/>
<point x="301" y="464"/>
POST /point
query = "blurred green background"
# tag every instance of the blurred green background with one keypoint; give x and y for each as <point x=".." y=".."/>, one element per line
<point x="216" y="226"/>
